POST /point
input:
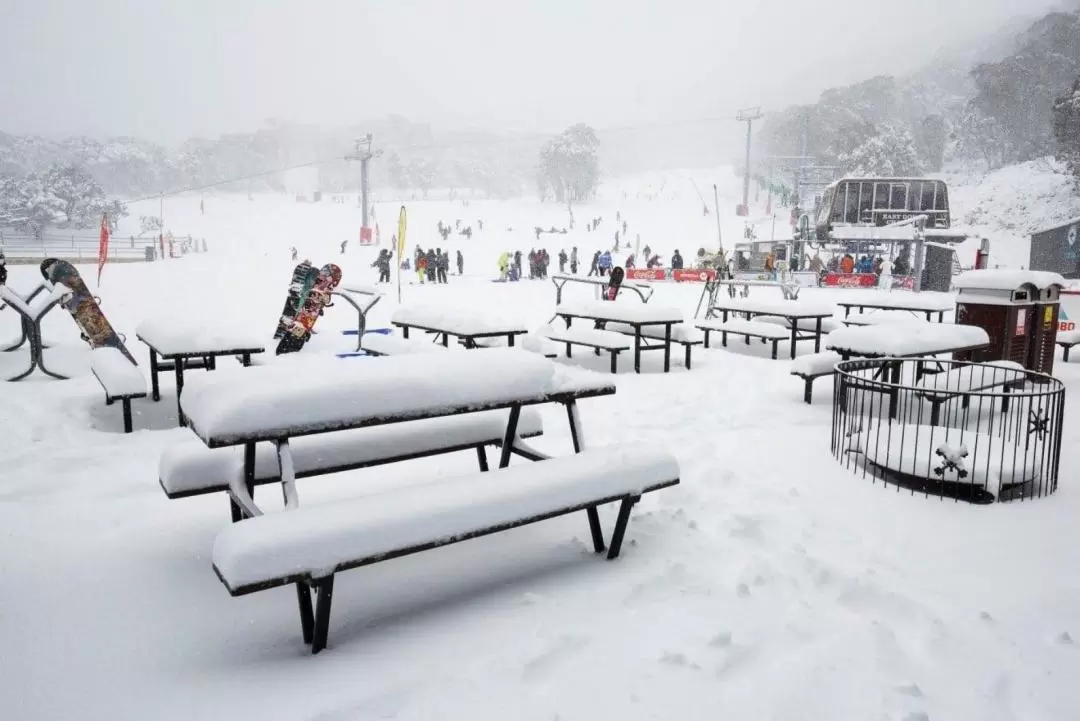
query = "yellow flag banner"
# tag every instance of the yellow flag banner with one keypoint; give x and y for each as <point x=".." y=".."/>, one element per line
<point x="401" y="226"/>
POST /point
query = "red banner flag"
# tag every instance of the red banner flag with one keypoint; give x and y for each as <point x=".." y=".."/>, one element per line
<point x="103" y="246"/>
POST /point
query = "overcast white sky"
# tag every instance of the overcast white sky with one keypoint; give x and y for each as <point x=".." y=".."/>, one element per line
<point x="167" y="70"/>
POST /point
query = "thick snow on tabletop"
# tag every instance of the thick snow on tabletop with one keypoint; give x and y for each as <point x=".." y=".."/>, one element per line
<point x="603" y="338"/>
<point x="119" y="376"/>
<point x="630" y="311"/>
<point x="253" y="402"/>
<point x="179" y="336"/>
<point x="905" y="339"/>
<point x="35" y="307"/>
<point x="388" y="344"/>
<point x="190" y="466"/>
<point x="1006" y="279"/>
<point x="457" y="320"/>
<point x="775" y="307"/>
<point x="313" y="540"/>
<point x="974" y="377"/>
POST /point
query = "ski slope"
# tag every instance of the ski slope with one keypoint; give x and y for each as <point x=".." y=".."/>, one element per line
<point x="771" y="584"/>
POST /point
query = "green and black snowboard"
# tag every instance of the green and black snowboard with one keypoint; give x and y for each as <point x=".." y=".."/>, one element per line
<point x="303" y="280"/>
<point x="302" y="325"/>
<point x="83" y="307"/>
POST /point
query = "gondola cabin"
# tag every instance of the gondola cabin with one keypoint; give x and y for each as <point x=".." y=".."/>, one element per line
<point x="876" y="202"/>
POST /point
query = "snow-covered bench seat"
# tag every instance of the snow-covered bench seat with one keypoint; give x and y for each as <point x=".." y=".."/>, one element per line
<point x="814" y="366"/>
<point x="1067" y="340"/>
<point x="940" y="388"/>
<point x="767" y="332"/>
<point x="600" y="340"/>
<point x="120" y="378"/>
<point x="189" y="468"/>
<point x="387" y="344"/>
<point x="307" y="546"/>
<point x="684" y="334"/>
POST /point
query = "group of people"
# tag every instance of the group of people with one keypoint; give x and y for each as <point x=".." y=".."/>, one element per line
<point x="445" y="230"/>
<point x="434" y="265"/>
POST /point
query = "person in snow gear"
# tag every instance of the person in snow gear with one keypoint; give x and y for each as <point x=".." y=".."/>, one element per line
<point x="562" y="260"/>
<point x="343" y="244"/>
<point x="504" y="265"/>
<point x="293" y="251"/>
<point x="629" y="261"/>
<point x="517" y="262"/>
<point x="605" y="263"/>
<point x="594" y="267"/>
<point x="573" y="261"/>
<point x="460" y="263"/>
<point x="383" y="264"/>
<point x="647" y="251"/>
<point x="676" y="260"/>
<point x="443" y="265"/>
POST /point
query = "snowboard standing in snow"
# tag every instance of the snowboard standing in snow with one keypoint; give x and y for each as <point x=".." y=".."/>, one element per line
<point x="303" y="279"/>
<point x="317" y="299"/>
<point x="83" y="307"/>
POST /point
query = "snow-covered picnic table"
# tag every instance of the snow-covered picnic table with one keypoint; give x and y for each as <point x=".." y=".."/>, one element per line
<point x="308" y="546"/>
<point x="903" y="302"/>
<point x="643" y="290"/>
<point x="468" y="324"/>
<point x="179" y="344"/>
<point x="32" y="310"/>
<point x="632" y="314"/>
<point x="906" y="340"/>
<point x="792" y="311"/>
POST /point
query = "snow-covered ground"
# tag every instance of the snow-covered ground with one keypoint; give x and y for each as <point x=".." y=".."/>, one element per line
<point x="771" y="584"/>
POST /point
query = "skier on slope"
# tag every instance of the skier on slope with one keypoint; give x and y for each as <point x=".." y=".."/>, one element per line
<point x="383" y="264"/>
<point x="562" y="260"/>
<point x="605" y="263"/>
<point x="343" y="244"/>
<point x="460" y="263"/>
<point x="677" y="260"/>
<point x="293" y="251"/>
<point x="594" y="267"/>
<point x="573" y="260"/>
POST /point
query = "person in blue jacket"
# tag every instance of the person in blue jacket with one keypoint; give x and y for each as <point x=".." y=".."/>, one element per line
<point x="605" y="263"/>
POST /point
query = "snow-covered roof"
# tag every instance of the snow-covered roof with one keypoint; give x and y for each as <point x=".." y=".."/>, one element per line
<point x="1005" y="279"/>
<point x="1058" y="226"/>
<point x="905" y="339"/>
<point x="231" y="405"/>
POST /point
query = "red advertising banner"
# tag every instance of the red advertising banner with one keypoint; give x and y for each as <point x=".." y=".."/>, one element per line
<point x="103" y="246"/>
<point x="851" y="280"/>
<point x="646" y="274"/>
<point x="365" y="236"/>
<point x="693" y="275"/>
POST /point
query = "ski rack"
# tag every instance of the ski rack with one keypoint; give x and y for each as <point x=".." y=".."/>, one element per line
<point x="30" y="326"/>
<point x="712" y="289"/>
<point x="346" y="293"/>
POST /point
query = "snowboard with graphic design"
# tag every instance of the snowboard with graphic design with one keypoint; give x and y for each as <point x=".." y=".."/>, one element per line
<point x="303" y="278"/>
<point x="318" y="298"/>
<point x="82" y="305"/>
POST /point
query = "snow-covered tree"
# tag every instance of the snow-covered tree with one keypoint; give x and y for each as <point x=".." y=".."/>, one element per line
<point x="889" y="153"/>
<point x="570" y="165"/>
<point x="78" y="192"/>
<point x="1067" y="130"/>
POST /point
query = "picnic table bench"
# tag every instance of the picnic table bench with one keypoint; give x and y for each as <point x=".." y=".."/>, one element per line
<point x="463" y="323"/>
<point x="600" y="340"/>
<point x="798" y="315"/>
<point x="178" y="345"/>
<point x="1067" y="339"/>
<point x="308" y="546"/>
<point x="813" y="366"/>
<point x="940" y="388"/>
<point x="382" y="344"/>
<point x="683" y="334"/>
<point x="638" y="317"/>
<point x="767" y="332"/>
<point x="119" y="378"/>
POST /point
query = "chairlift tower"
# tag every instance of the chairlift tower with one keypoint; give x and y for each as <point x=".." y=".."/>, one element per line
<point x="364" y="154"/>
<point x="748" y="116"/>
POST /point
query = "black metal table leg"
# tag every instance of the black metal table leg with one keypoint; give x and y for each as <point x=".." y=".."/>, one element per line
<point x="794" y="332"/>
<point x="637" y="348"/>
<point x="817" y="336"/>
<point x="178" y="365"/>
<point x="667" y="347"/>
<point x="154" y="388"/>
